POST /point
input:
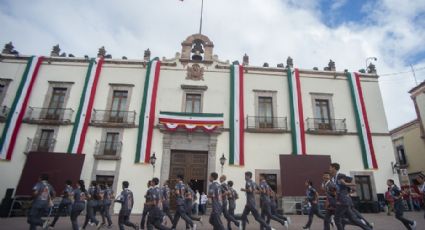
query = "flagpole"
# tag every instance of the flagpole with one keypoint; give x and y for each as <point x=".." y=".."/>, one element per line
<point x="200" y="23"/>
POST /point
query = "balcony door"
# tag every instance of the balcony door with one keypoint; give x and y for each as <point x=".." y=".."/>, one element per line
<point x="265" y="112"/>
<point x="56" y="104"/>
<point x="45" y="141"/>
<point x="119" y="105"/>
<point x="111" y="144"/>
<point x="323" y="118"/>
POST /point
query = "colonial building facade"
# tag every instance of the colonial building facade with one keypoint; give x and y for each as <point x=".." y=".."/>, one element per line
<point x="190" y="113"/>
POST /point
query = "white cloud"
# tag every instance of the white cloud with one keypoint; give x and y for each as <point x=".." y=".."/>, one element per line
<point x="268" y="31"/>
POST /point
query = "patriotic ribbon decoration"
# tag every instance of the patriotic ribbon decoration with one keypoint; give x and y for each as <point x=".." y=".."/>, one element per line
<point x="237" y="117"/>
<point x="85" y="108"/>
<point x="19" y="106"/>
<point x="363" y="129"/>
<point x="191" y="121"/>
<point x="296" y="108"/>
<point x="147" y="114"/>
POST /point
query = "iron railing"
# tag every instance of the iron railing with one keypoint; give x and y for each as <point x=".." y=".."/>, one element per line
<point x="108" y="148"/>
<point x="40" y="145"/>
<point x="262" y="122"/>
<point x="326" y="125"/>
<point x="61" y="115"/>
<point x="113" y="117"/>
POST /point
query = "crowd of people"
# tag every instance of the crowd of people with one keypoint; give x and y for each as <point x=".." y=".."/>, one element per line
<point x="339" y="207"/>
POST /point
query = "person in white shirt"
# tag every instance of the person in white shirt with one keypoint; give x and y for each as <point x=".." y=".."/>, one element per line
<point x="204" y="200"/>
<point x="196" y="203"/>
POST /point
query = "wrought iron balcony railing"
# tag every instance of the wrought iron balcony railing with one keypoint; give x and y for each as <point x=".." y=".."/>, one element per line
<point x="113" y="117"/>
<point x="4" y="112"/>
<point x="49" y="115"/>
<point x="261" y="122"/>
<point x="107" y="148"/>
<point x="40" y="145"/>
<point x="321" y="125"/>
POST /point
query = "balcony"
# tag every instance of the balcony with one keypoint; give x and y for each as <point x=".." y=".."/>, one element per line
<point x="105" y="150"/>
<point x="266" y="124"/>
<point x="326" y="126"/>
<point x="40" y="145"/>
<point x="4" y="111"/>
<point x="49" y="116"/>
<point x="113" y="118"/>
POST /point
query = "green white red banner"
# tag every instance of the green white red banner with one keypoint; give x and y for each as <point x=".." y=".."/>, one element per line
<point x="147" y="114"/>
<point x="19" y="106"/>
<point x="296" y="109"/>
<point x="191" y="121"/>
<point x="237" y="117"/>
<point x="83" y="116"/>
<point x="363" y="129"/>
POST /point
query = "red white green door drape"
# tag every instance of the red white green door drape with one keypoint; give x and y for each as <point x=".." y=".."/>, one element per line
<point x="363" y="129"/>
<point x="19" y="106"/>
<point x="85" y="108"/>
<point x="296" y="109"/>
<point x="208" y="122"/>
<point x="147" y="114"/>
<point x="237" y="117"/>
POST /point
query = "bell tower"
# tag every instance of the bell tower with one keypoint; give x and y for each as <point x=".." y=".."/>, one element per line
<point x="197" y="48"/>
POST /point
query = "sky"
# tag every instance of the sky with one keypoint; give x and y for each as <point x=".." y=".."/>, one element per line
<point x="310" y="31"/>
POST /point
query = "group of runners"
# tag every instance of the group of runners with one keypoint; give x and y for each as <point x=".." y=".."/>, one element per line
<point x="339" y="208"/>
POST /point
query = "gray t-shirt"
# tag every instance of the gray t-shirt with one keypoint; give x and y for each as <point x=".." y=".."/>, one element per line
<point x="44" y="192"/>
<point x="214" y="191"/>
<point x="342" y="190"/>
<point x="181" y="188"/>
<point x="264" y="187"/>
<point x="127" y="200"/>
<point x="250" y="196"/>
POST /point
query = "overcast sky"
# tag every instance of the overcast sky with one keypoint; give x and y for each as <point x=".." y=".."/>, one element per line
<point x="310" y="31"/>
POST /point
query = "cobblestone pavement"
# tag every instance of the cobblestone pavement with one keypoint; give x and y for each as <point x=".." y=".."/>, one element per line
<point x="381" y="221"/>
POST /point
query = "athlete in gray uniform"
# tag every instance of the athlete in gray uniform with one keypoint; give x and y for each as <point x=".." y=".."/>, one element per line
<point x="165" y="193"/>
<point x="232" y="197"/>
<point x="66" y="202"/>
<point x="180" y="191"/>
<point x="80" y="195"/>
<point x="126" y="200"/>
<point x="399" y="206"/>
<point x="43" y="193"/>
<point x="250" y="189"/>
<point x="312" y="199"/>
<point x="148" y="205"/>
<point x="343" y="200"/>
<point x="92" y="206"/>
<point x="266" y="212"/>
<point x="214" y="192"/>
<point x="225" y="191"/>
<point x="156" y="216"/>
<point x="108" y="195"/>
<point x="330" y="190"/>
<point x="188" y="203"/>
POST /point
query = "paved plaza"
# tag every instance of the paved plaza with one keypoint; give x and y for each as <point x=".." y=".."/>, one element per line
<point x="381" y="221"/>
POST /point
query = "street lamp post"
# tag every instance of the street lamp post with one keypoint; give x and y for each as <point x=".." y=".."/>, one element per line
<point x="222" y="161"/>
<point x="153" y="161"/>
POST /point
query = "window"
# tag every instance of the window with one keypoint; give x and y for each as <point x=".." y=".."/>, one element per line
<point x="111" y="144"/>
<point x="363" y="188"/>
<point x="119" y="105"/>
<point x="401" y="155"/>
<point x="193" y="103"/>
<point x="56" y="104"/>
<point x="322" y="114"/>
<point x="101" y="179"/>
<point x="46" y="140"/>
<point x="4" y="83"/>
<point x="271" y="180"/>
<point x="265" y="112"/>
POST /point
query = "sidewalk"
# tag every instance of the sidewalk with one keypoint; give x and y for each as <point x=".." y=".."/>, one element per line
<point x="381" y="221"/>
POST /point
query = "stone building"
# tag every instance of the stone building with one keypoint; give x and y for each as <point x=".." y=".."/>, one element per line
<point x="192" y="112"/>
